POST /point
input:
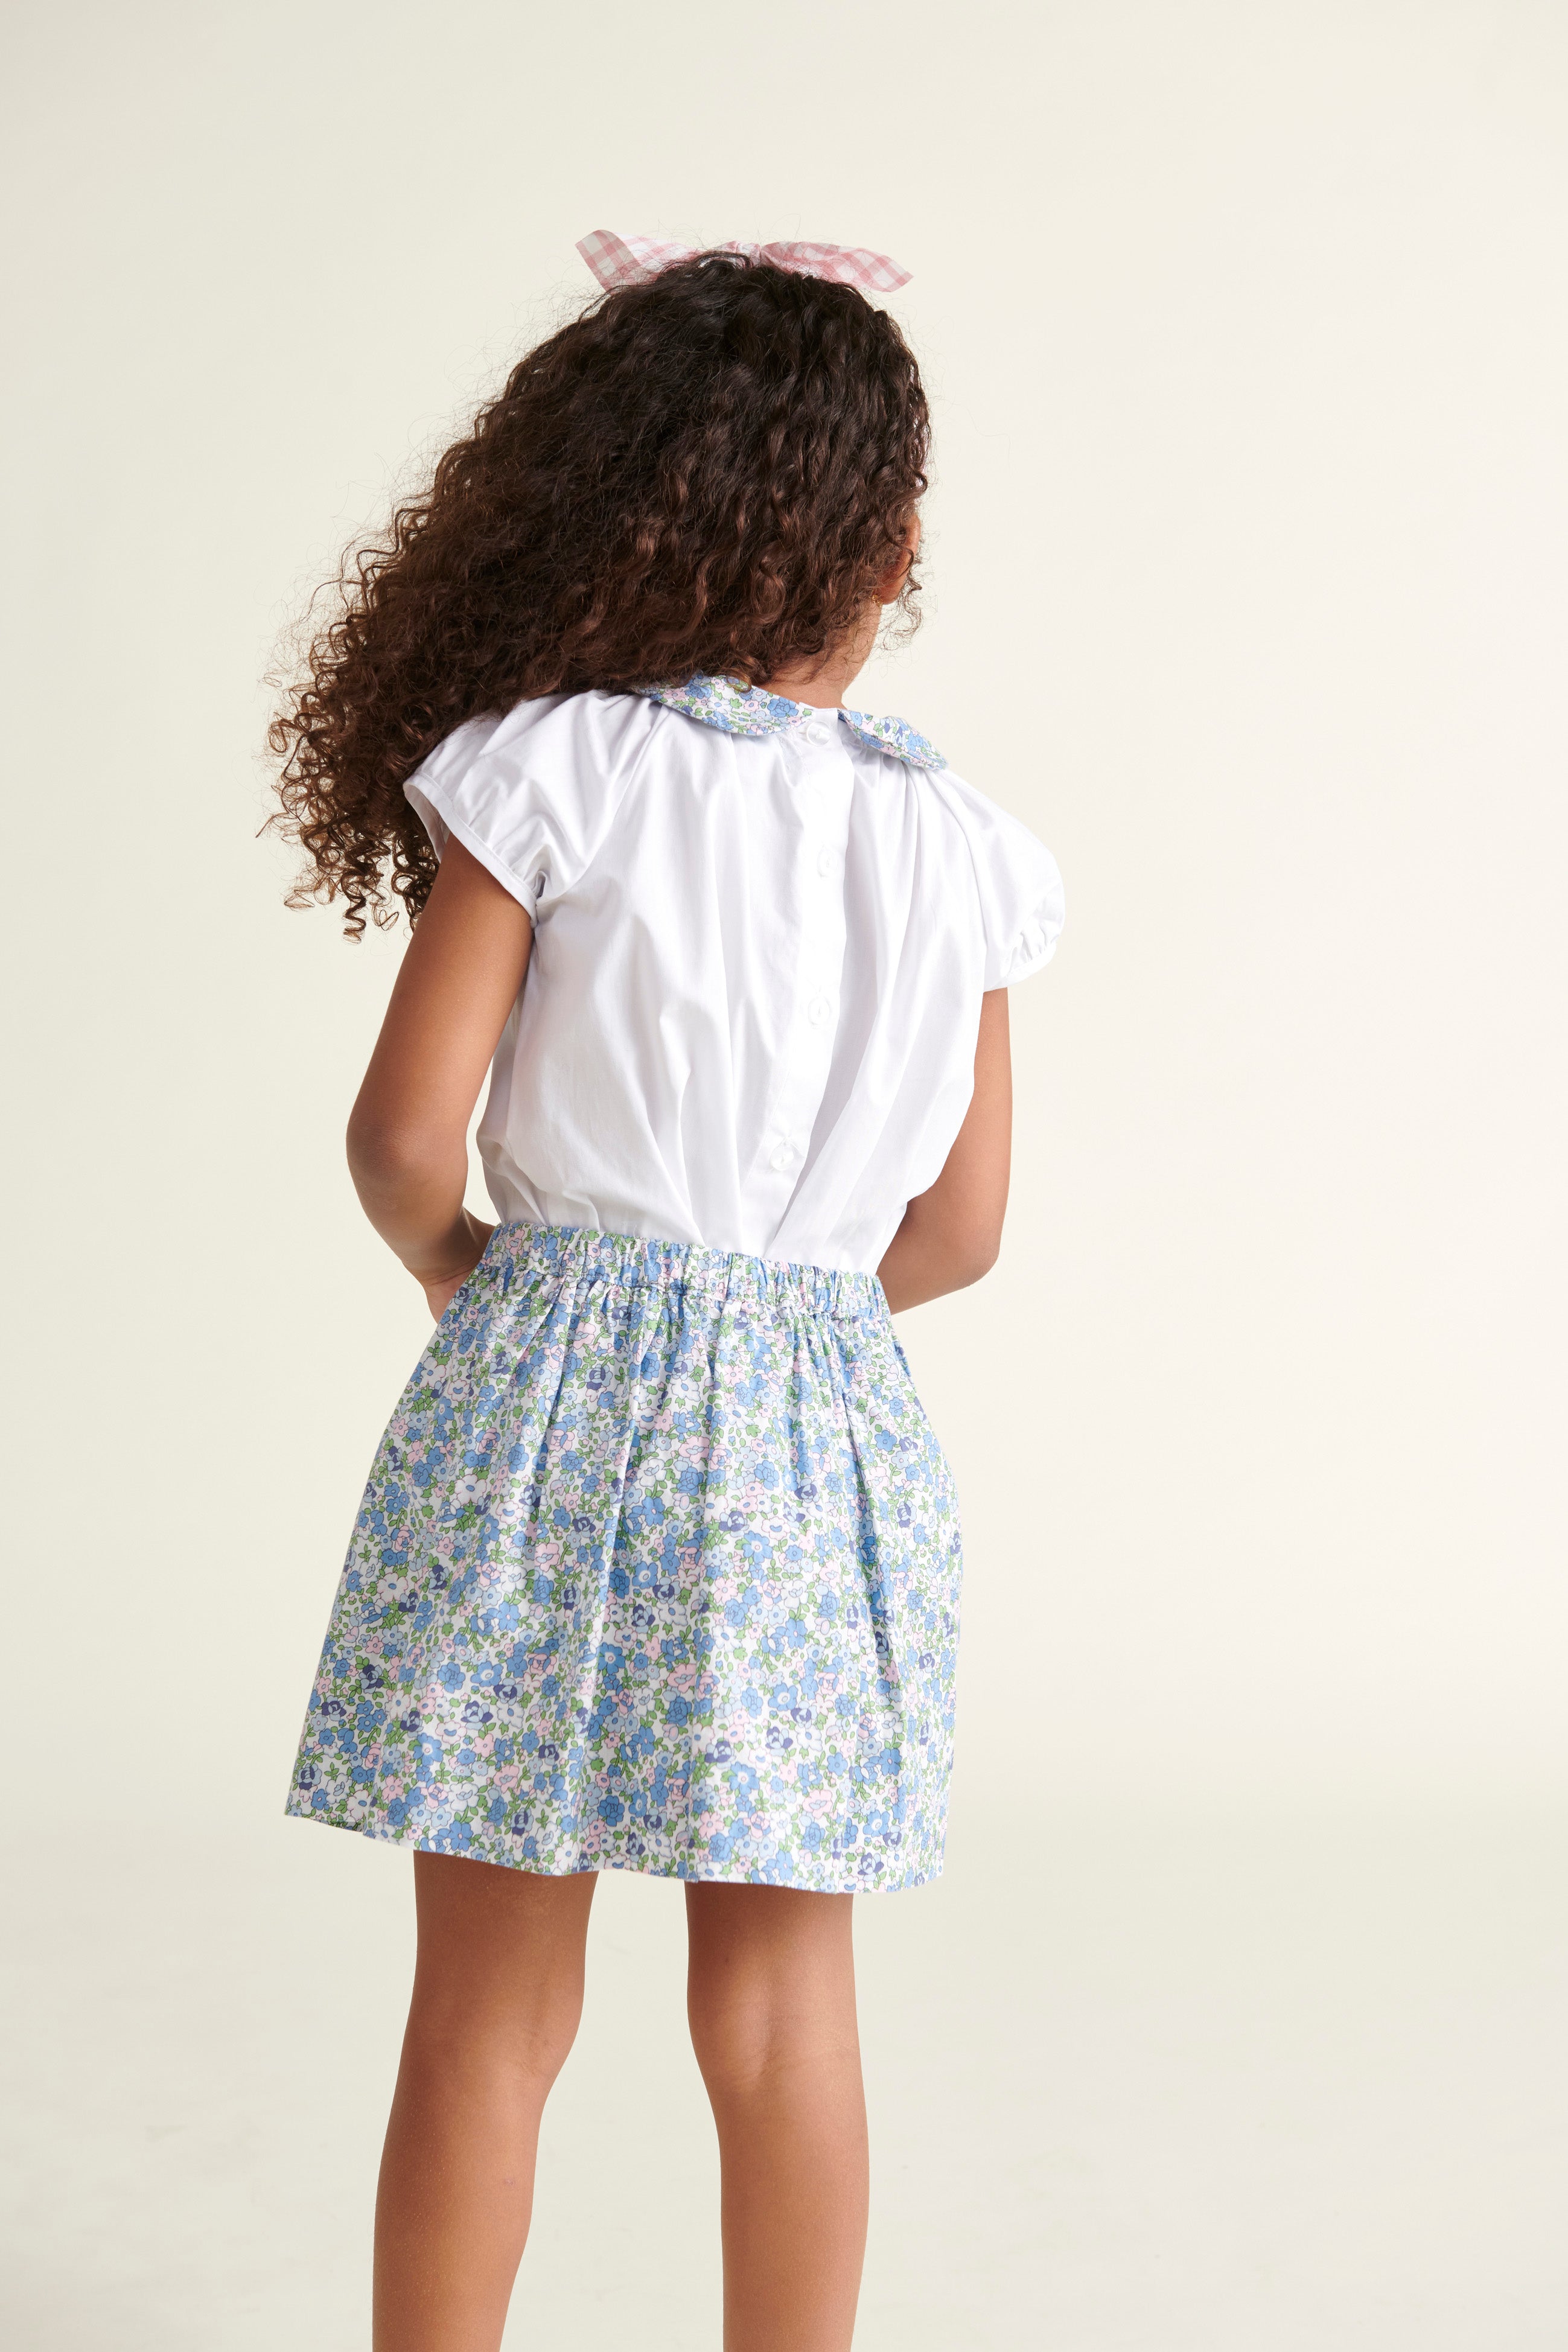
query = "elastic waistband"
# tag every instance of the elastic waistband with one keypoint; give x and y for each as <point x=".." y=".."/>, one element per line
<point x="522" y="1255"/>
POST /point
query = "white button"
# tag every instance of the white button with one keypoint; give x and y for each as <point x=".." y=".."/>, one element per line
<point x="826" y="861"/>
<point x="783" y="1157"/>
<point x="816" y="732"/>
<point x="819" y="1008"/>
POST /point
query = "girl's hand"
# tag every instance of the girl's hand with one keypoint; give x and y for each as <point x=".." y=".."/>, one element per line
<point x="442" y="1289"/>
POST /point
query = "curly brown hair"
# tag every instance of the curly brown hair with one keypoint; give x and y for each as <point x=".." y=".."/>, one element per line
<point x="706" y="473"/>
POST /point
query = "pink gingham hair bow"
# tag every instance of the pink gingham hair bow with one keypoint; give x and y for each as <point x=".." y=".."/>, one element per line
<point x="629" y="260"/>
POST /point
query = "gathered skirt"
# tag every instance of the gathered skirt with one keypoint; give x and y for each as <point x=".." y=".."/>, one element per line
<point x="658" y="1569"/>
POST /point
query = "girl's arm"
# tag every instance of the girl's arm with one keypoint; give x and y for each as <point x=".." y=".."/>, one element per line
<point x="950" y="1235"/>
<point x="407" y="1139"/>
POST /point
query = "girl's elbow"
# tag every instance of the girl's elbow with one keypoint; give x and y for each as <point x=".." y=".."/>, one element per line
<point x="384" y="1152"/>
<point x="975" y="1257"/>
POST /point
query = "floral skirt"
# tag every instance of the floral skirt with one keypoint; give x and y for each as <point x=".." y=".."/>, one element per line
<point x="658" y="1570"/>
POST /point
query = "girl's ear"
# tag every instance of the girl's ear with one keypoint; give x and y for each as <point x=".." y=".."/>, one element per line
<point x="891" y="582"/>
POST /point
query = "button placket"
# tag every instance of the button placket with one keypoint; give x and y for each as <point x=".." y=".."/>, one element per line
<point x="823" y="789"/>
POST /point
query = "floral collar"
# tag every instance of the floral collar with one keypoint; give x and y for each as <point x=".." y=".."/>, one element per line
<point x="739" y="709"/>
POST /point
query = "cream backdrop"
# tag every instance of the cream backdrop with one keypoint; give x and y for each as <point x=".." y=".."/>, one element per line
<point x="1244" y="329"/>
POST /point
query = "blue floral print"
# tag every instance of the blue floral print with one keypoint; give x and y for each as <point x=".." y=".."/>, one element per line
<point x="740" y="709"/>
<point x="658" y="1570"/>
<point x="897" y="736"/>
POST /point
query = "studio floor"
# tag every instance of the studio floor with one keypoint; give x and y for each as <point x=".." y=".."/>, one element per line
<point x="1195" y="2084"/>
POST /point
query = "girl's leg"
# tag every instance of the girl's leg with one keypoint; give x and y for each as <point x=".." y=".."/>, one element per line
<point x="498" y="1991"/>
<point x="771" y="1996"/>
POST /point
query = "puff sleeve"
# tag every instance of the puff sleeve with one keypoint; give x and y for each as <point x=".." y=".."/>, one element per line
<point x="1020" y="889"/>
<point x="531" y="795"/>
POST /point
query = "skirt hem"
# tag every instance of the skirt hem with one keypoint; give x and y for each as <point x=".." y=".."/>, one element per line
<point x="648" y="1866"/>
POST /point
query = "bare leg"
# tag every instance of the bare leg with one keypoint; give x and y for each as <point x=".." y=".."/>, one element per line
<point x="771" y="1997"/>
<point x="498" y="1991"/>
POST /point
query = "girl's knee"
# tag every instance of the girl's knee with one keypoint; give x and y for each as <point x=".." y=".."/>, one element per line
<point x="736" y="2035"/>
<point x="529" y="2039"/>
<point x="750" y="2045"/>
<point x="771" y="1987"/>
<point x="499" y="1978"/>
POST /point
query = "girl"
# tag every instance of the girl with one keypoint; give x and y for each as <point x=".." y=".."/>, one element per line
<point x="658" y="1564"/>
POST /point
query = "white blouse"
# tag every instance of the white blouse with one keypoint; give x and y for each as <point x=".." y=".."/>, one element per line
<point x="762" y="933"/>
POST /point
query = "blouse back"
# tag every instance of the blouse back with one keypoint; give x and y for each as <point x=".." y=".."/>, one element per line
<point x="762" y="934"/>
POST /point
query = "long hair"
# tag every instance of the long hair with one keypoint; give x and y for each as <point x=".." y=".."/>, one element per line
<point x="706" y="473"/>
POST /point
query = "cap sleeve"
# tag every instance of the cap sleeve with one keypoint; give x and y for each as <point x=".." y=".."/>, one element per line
<point x="1020" y="889"/>
<point x="531" y="795"/>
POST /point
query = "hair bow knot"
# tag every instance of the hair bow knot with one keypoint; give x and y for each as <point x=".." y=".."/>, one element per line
<point x="630" y="260"/>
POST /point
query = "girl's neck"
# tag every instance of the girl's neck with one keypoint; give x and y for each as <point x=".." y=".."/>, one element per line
<point x="821" y="682"/>
<point x="823" y="689"/>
